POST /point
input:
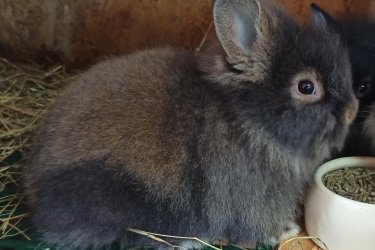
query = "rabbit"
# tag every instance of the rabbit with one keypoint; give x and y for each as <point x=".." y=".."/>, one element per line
<point x="219" y="145"/>
<point x="359" y="36"/>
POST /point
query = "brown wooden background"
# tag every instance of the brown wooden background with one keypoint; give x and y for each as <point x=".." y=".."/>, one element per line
<point x="86" y="30"/>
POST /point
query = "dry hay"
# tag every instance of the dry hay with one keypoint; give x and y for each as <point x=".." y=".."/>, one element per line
<point x="25" y="93"/>
<point x="295" y="243"/>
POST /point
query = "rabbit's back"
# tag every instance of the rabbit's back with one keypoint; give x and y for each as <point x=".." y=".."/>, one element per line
<point x="127" y="112"/>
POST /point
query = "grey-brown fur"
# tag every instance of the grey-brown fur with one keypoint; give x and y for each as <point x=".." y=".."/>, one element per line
<point x="173" y="143"/>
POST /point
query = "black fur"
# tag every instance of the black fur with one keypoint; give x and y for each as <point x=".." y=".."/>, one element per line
<point x="359" y="35"/>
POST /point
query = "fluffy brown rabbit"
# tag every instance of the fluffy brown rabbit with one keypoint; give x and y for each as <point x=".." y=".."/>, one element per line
<point x="218" y="146"/>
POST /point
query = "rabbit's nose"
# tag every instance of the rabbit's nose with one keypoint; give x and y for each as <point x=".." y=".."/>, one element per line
<point x="351" y="110"/>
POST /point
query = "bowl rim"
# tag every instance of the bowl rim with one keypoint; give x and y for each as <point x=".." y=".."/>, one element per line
<point x="352" y="161"/>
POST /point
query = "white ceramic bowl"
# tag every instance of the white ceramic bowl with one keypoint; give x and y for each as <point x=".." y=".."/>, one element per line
<point x="341" y="223"/>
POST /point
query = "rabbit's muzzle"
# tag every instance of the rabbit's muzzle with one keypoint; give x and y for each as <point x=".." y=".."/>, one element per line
<point x="351" y="110"/>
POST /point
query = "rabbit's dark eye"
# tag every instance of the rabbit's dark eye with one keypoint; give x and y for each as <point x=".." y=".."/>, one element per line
<point x="363" y="89"/>
<point x="306" y="87"/>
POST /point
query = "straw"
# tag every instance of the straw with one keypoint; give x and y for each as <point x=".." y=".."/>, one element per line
<point x="25" y="93"/>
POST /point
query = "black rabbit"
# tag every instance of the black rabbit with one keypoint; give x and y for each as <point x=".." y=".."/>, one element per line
<point x="218" y="146"/>
<point x="359" y="35"/>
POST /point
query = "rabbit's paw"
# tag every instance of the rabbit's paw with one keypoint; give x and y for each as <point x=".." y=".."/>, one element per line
<point x="191" y="244"/>
<point x="290" y="231"/>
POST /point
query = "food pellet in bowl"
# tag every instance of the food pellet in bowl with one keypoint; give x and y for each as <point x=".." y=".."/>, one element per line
<point x="353" y="183"/>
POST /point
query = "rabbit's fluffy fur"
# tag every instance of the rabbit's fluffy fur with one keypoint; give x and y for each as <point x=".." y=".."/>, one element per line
<point x="212" y="146"/>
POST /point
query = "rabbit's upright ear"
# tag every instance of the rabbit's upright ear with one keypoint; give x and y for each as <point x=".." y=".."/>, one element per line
<point x="236" y="24"/>
<point x="244" y="28"/>
<point x="321" y="19"/>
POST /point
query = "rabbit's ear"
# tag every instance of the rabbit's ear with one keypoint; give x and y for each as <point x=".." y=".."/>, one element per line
<point x="321" y="19"/>
<point x="236" y="24"/>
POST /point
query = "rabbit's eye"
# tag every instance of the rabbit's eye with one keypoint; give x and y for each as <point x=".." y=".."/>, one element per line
<point x="363" y="89"/>
<point x="306" y="87"/>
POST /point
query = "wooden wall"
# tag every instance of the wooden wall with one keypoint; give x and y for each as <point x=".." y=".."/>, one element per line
<point x="86" y="30"/>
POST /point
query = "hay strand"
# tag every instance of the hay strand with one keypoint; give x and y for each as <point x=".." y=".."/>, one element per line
<point x="204" y="38"/>
<point x="297" y="240"/>
<point x="25" y="93"/>
<point x="156" y="236"/>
